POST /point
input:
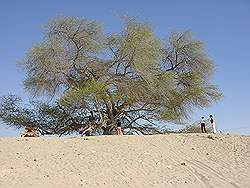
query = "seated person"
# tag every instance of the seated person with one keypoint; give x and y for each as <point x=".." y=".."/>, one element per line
<point x="86" y="131"/>
<point x="29" y="132"/>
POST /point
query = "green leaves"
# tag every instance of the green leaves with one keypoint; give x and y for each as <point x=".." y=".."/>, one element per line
<point x="70" y="45"/>
<point x="141" y="48"/>
<point x="186" y="54"/>
<point x="90" y="90"/>
<point x="84" y="34"/>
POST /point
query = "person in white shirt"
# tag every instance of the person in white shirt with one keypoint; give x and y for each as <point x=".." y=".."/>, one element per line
<point x="203" y="125"/>
<point x="212" y="122"/>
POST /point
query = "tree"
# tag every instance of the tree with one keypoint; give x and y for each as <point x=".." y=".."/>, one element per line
<point x="45" y="118"/>
<point x="132" y="76"/>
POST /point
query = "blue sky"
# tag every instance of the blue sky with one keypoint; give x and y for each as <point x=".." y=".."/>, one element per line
<point x="224" y="27"/>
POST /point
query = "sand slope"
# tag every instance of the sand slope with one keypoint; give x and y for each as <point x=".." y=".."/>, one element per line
<point x="126" y="161"/>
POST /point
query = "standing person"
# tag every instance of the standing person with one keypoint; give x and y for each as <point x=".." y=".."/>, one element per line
<point x="203" y="125"/>
<point x="119" y="128"/>
<point x="212" y="122"/>
<point x="92" y="118"/>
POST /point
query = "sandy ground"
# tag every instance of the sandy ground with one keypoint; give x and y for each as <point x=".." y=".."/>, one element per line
<point x="183" y="160"/>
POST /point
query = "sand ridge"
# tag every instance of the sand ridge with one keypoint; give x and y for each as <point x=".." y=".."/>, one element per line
<point x="172" y="160"/>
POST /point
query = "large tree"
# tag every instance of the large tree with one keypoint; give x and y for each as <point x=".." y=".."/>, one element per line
<point x="132" y="76"/>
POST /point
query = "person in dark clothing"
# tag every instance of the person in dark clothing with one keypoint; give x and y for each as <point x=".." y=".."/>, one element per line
<point x="91" y="117"/>
<point x="119" y="128"/>
<point x="212" y="122"/>
<point x="119" y="123"/>
<point x="106" y="128"/>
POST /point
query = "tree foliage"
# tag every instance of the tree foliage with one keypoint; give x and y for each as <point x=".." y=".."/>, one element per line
<point x="132" y="76"/>
<point x="45" y="118"/>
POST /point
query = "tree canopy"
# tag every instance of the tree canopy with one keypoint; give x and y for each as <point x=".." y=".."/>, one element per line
<point x="132" y="76"/>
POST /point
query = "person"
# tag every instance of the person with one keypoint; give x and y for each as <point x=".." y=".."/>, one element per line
<point x="106" y="128"/>
<point x="92" y="118"/>
<point x="86" y="131"/>
<point x="203" y="125"/>
<point x="29" y="132"/>
<point x="119" y="128"/>
<point x="212" y="122"/>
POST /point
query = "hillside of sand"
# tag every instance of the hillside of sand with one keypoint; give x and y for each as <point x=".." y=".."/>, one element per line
<point x="173" y="160"/>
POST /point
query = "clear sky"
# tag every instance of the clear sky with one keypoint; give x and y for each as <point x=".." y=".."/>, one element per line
<point x="223" y="25"/>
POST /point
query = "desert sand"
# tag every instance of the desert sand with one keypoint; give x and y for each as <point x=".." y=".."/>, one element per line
<point x="172" y="160"/>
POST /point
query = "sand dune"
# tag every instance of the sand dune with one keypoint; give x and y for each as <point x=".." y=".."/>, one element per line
<point x="174" y="160"/>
